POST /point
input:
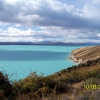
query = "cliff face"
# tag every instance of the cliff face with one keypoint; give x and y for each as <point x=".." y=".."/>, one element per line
<point x="82" y="55"/>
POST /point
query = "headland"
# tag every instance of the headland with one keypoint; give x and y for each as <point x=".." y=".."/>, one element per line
<point x="82" y="55"/>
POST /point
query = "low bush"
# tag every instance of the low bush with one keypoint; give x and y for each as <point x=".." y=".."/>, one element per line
<point x="5" y="86"/>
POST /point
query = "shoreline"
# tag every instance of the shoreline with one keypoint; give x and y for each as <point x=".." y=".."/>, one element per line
<point x="72" y="57"/>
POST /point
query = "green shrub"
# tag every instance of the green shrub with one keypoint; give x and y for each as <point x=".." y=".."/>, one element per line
<point x="5" y="85"/>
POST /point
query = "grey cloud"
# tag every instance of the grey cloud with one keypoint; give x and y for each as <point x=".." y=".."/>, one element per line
<point x="1" y="6"/>
<point x="22" y="14"/>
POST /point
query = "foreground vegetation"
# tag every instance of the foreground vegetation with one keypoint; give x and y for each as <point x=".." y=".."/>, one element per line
<point x="68" y="84"/>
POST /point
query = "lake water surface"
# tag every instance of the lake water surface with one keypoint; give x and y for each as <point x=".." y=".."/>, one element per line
<point x="19" y="60"/>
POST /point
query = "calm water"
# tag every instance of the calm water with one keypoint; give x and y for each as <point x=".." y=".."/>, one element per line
<point x="19" y="60"/>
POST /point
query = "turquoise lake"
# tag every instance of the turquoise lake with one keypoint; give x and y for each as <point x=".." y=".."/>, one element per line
<point x="18" y="61"/>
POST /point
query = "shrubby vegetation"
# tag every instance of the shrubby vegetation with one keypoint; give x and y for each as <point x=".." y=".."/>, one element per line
<point x="67" y="84"/>
<point x="5" y="87"/>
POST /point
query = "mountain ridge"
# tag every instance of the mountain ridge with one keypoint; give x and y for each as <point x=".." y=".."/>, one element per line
<point x="47" y="43"/>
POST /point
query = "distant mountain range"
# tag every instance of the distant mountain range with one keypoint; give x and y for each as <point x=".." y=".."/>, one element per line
<point x="47" y="43"/>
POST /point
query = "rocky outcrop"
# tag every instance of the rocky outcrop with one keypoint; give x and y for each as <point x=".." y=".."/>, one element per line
<point x="82" y="55"/>
<point x="75" y="59"/>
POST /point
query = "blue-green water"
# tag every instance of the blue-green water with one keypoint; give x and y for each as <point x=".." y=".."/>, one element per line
<point x="19" y="60"/>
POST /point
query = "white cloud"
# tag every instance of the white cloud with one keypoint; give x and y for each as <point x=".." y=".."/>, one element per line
<point x="92" y="11"/>
<point x="17" y="32"/>
<point x="47" y="33"/>
<point x="98" y="34"/>
<point x="11" y="1"/>
<point x="96" y="1"/>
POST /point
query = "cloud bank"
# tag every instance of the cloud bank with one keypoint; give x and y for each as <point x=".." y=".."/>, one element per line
<point x="53" y="20"/>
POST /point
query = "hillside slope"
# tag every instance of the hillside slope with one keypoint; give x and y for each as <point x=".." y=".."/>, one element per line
<point x="82" y="55"/>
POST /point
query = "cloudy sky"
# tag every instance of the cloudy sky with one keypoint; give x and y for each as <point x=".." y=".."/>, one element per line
<point x="50" y="20"/>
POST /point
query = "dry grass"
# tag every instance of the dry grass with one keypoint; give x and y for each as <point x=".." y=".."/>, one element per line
<point x="87" y="53"/>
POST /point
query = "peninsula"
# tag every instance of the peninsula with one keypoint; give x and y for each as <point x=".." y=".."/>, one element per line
<point x="82" y="55"/>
